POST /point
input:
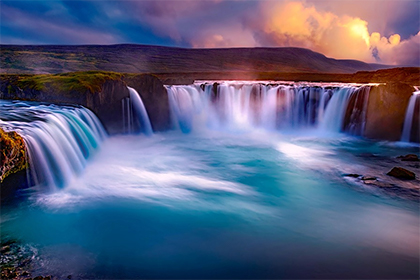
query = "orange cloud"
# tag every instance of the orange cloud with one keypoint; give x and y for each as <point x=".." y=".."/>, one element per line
<point x="299" y="24"/>
<point x="322" y="26"/>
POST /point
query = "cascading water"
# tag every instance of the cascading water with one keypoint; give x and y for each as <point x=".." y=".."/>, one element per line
<point x="127" y="115"/>
<point x="411" y="127"/>
<point x="355" y="111"/>
<point x="136" y="104"/>
<point x="214" y="204"/>
<point x="59" y="139"/>
<point x="244" y="105"/>
<point x="333" y="116"/>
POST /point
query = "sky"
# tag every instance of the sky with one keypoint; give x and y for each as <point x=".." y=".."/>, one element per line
<point x="374" y="31"/>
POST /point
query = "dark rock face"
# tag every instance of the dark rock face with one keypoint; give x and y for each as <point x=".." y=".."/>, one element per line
<point x="409" y="157"/>
<point x="401" y="173"/>
<point x="415" y="126"/>
<point x="353" y="175"/>
<point x="106" y="102"/>
<point x="12" y="184"/>
<point x="155" y="99"/>
<point x="386" y="111"/>
<point x="107" y="105"/>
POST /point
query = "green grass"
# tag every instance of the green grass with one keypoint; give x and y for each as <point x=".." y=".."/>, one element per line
<point x="91" y="81"/>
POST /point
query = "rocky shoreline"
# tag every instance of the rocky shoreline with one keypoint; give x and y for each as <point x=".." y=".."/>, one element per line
<point x="392" y="176"/>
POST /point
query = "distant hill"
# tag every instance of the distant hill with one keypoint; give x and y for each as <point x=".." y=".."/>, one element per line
<point x="156" y="59"/>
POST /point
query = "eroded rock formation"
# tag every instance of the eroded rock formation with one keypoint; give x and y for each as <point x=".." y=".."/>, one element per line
<point x="13" y="153"/>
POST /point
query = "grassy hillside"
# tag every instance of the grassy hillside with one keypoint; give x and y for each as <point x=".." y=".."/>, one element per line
<point x="72" y="81"/>
<point x="155" y="59"/>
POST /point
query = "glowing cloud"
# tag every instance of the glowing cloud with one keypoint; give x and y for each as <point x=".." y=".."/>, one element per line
<point x="371" y="31"/>
<point x="298" y="24"/>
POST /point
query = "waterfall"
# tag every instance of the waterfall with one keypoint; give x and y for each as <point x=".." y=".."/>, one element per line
<point x="140" y="112"/>
<point x="127" y="115"/>
<point x="283" y="106"/>
<point x="411" y="127"/>
<point x="334" y="114"/>
<point x="59" y="139"/>
<point x="355" y="114"/>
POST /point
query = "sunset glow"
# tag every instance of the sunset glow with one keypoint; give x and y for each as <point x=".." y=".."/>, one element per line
<point x="373" y="31"/>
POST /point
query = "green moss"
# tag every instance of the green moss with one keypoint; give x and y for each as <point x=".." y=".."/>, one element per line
<point x="91" y="81"/>
<point x="13" y="153"/>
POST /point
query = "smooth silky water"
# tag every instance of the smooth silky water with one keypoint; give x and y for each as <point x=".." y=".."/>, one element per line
<point x="220" y="202"/>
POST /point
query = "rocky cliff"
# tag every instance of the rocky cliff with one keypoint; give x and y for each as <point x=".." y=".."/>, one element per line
<point x="13" y="154"/>
<point x="155" y="99"/>
<point x="101" y="92"/>
<point x="386" y="111"/>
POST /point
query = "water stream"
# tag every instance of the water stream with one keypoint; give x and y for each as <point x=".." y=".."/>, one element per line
<point x="249" y="185"/>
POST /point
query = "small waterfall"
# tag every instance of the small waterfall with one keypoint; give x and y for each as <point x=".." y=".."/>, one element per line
<point x="127" y="115"/>
<point x="411" y="127"/>
<point x="140" y="112"/>
<point x="59" y="139"/>
<point x="239" y="106"/>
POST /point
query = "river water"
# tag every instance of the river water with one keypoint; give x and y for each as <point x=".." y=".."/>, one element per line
<point x="221" y="204"/>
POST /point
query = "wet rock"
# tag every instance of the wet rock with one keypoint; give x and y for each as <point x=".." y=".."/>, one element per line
<point x="409" y="157"/>
<point x="12" y="153"/>
<point x="16" y="261"/>
<point x="353" y="175"/>
<point x="5" y="249"/>
<point x="368" y="178"/>
<point x="155" y="99"/>
<point x="401" y="173"/>
<point x="378" y="184"/>
<point x="387" y="105"/>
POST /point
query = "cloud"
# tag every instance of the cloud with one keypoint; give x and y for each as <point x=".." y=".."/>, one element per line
<point x="384" y="16"/>
<point x="323" y="28"/>
<point x="371" y="31"/>
<point x="176" y="19"/>
<point x="222" y="36"/>
<point x="299" y="24"/>
<point x="395" y="51"/>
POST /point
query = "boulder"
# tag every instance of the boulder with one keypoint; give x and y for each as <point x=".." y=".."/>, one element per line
<point x="353" y="175"/>
<point x="12" y="153"/>
<point x="401" y="173"/>
<point x="409" y="157"/>
<point x="368" y="178"/>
